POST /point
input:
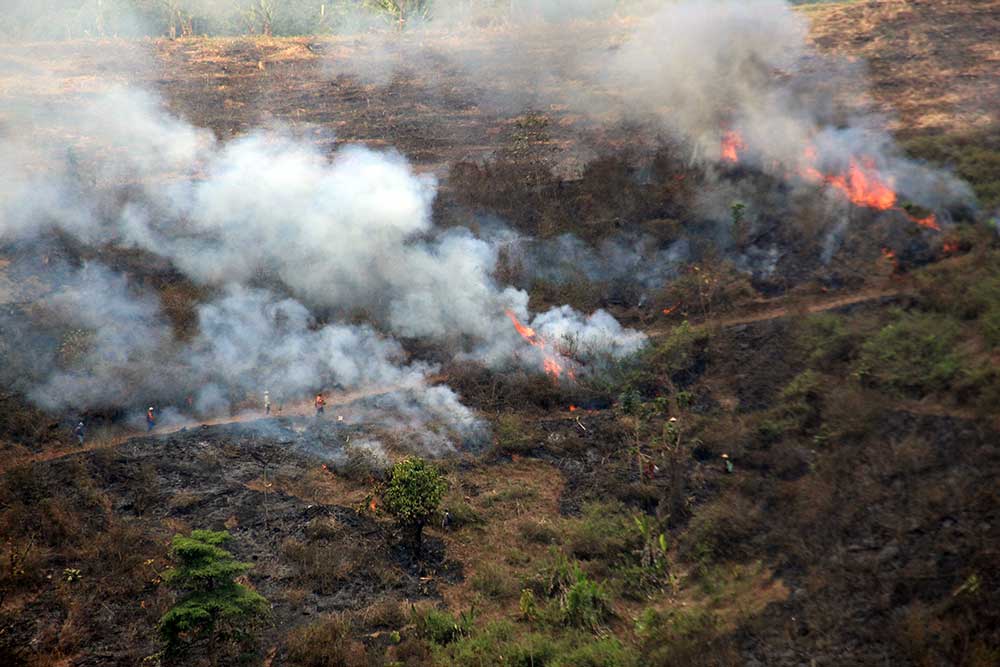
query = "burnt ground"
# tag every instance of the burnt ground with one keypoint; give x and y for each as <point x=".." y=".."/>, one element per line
<point x="331" y="556"/>
<point x="869" y="517"/>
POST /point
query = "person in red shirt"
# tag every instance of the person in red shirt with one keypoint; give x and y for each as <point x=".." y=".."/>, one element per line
<point x="320" y="404"/>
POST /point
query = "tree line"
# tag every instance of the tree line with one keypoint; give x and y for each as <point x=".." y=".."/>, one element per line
<point x="81" y="19"/>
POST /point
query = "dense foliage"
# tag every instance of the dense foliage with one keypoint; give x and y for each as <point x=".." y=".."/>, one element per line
<point x="413" y="495"/>
<point x="212" y="607"/>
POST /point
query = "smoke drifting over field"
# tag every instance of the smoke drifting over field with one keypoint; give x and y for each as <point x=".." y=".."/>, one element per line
<point x="702" y="71"/>
<point x="336" y="236"/>
<point x="289" y="242"/>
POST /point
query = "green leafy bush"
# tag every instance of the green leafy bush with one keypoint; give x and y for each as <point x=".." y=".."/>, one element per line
<point x="586" y="603"/>
<point x="915" y="355"/>
<point x="824" y="340"/>
<point x="440" y="627"/>
<point x="412" y="495"/>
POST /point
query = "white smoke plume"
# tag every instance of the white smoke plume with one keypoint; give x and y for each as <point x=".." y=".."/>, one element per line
<point x="341" y="235"/>
<point x="695" y="69"/>
<point x="249" y="341"/>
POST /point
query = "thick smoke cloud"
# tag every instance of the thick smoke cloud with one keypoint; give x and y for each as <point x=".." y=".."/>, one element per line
<point x="248" y="341"/>
<point x="347" y="233"/>
<point x="331" y="235"/>
<point x="694" y="69"/>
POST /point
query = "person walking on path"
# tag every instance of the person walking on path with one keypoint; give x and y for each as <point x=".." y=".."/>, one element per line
<point x="150" y="419"/>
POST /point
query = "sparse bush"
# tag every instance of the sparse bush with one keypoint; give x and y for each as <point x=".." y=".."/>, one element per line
<point x="604" y="532"/>
<point x="494" y="582"/>
<point x="326" y="643"/>
<point x="533" y="650"/>
<point x="579" y="601"/>
<point x="322" y="564"/>
<point x="462" y="513"/>
<point x="604" y="652"/>
<point x="538" y="532"/>
<point x="797" y="410"/>
<point x="678" y="637"/>
<point x="914" y="355"/>
<point x="720" y="531"/>
<point x="975" y="156"/>
<point x="386" y="613"/>
<point x="824" y="340"/>
<point x="514" y="436"/>
<point x="586" y="603"/>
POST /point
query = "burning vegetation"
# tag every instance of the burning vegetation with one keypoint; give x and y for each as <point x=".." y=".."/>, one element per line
<point x="555" y="334"/>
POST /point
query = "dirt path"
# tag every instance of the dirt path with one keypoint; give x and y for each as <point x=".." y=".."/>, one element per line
<point x="780" y="311"/>
<point x="299" y="409"/>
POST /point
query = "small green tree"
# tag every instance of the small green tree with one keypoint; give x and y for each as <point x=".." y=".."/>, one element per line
<point x="212" y="608"/>
<point x="412" y="495"/>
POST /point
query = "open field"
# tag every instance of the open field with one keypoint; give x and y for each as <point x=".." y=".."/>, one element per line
<point x="782" y="449"/>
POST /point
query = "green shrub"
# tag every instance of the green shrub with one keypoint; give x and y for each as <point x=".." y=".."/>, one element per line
<point x="212" y="607"/>
<point x="629" y="401"/>
<point x="494" y="582"/>
<point x="606" y="652"/>
<point x="538" y="532"/>
<point x="586" y="603"/>
<point x="824" y="340"/>
<point x="915" y="355"/>
<point x="440" y="627"/>
<point x="514" y="436"/>
<point x="604" y="532"/>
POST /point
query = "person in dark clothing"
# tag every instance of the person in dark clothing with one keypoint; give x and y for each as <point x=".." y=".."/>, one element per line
<point x="320" y="404"/>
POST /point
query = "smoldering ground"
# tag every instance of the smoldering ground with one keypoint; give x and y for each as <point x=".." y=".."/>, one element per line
<point x="276" y="231"/>
<point x="694" y="70"/>
<point x="333" y="235"/>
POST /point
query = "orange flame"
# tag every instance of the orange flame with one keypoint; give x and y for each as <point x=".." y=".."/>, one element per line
<point x="930" y="222"/>
<point x="372" y="505"/>
<point x="861" y="183"/>
<point x="667" y="311"/>
<point x="949" y="247"/>
<point x="572" y="408"/>
<point x="732" y="144"/>
<point x="863" y="186"/>
<point x="890" y="257"/>
<point x="550" y="364"/>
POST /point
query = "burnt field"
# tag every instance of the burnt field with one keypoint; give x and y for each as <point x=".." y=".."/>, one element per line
<point x="693" y="315"/>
